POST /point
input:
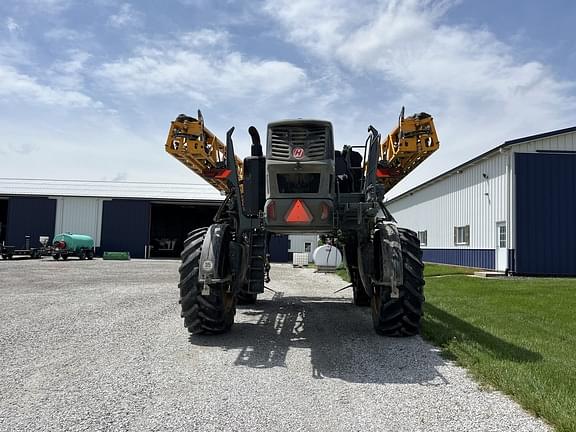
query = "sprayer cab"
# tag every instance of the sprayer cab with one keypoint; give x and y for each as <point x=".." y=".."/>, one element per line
<point x="300" y="191"/>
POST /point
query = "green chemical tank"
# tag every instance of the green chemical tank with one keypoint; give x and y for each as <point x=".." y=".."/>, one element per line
<point x="67" y="244"/>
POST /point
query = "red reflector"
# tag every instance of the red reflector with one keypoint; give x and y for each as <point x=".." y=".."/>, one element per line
<point x="223" y="174"/>
<point x="217" y="173"/>
<point x="298" y="213"/>
<point x="383" y="172"/>
<point x="271" y="210"/>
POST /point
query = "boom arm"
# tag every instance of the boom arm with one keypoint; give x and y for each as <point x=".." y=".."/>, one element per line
<point x="406" y="147"/>
<point x="199" y="149"/>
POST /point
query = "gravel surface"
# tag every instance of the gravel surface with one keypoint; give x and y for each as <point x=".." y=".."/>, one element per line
<point x="99" y="345"/>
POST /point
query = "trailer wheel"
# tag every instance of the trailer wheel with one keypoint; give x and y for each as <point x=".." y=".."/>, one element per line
<point x="56" y="256"/>
<point x="401" y="316"/>
<point x="82" y="254"/>
<point x="90" y="255"/>
<point x="203" y="314"/>
<point x="4" y="257"/>
<point x="360" y="298"/>
<point x="64" y="257"/>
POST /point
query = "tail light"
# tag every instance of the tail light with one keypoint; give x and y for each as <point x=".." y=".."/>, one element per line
<point x="271" y="210"/>
<point x="298" y="213"/>
<point x="60" y="244"/>
<point x="325" y="208"/>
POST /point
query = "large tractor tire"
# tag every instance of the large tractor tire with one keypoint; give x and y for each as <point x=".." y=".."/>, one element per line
<point x="203" y="314"/>
<point x="359" y="296"/>
<point x="246" y="298"/>
<point x="401" y="316"/>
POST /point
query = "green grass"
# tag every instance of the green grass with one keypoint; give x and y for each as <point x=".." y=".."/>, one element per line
<point x="517" y="335"/>
<point x="343" y="273"/>
<point x="444" y="270"/>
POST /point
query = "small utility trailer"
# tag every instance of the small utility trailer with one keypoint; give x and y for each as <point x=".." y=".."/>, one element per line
<point x="8" y="252"/>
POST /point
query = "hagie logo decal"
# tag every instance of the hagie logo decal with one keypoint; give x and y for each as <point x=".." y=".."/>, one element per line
<point x="297" y="152"/>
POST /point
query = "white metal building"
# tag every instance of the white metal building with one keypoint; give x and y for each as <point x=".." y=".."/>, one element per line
<point x="511" y="208"/>
<point x="146" y="219"/>
<point x="303" y="243"/>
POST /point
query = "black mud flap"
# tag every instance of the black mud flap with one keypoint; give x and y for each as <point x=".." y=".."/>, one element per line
<point x="391" y="269"/>
<point x="380" y="261"/>
<point x="214" y="260"/>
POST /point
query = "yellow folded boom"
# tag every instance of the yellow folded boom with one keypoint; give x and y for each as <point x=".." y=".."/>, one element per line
<point x="406" y="147"/>
<point x="199" y="149"/>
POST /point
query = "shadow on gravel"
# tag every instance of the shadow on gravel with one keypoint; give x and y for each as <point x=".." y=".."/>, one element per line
<point x="442" y="328"/>
<point x="339" y="336"/>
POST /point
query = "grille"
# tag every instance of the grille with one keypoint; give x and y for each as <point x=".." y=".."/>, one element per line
<point x="313" y="140"/>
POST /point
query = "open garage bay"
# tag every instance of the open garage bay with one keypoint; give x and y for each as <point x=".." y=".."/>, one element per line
<point x="100" y="346"/>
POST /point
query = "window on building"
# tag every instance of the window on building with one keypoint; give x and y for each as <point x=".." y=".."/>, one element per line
<point x="423" y="237"/>
<point x="307" y="247"/>
<point x="502" y="236"/>
<point x="462" y="235"/>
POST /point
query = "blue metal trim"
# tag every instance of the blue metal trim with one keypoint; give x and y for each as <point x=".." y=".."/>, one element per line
<point x="278" y="248"/>
<point x="545" y="212"/>
<point x="478" y="258"/>
<point x="125" y="226"/>
<point x="30" y="216"/>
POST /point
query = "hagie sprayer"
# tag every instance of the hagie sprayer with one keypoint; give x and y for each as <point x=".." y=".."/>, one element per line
<point x="302" y="185"/>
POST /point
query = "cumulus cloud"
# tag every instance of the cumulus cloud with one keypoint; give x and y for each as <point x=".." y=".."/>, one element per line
<point x="12" y="25"/>
<point x="480" y="91"/>
<point x="70" y="73"/>
<point x="44" y="6"/>
<point x="126" y="16"/>
<point x="202" y="65"/>
<point x="15" y="85"/>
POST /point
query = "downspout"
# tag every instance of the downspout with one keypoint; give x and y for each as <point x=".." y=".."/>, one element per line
<point x="508" y="210"/>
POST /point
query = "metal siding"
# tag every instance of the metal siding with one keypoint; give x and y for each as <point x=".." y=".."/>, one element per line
<point x="126" y="226"/>
<point x="460" y="199"/>
<point x="108" y="189"/>
<point x="80" y="216"/>
<point x="29" y="216"/>
<point x="546" y="209"/>
<point x="297" y="243"/>
<point x="478" y="258"/>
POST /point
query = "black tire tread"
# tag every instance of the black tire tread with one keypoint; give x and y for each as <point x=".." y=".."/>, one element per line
<point x="360" y="297"/>
<point x="202" y="314"/>
<point x="398" y="317"/>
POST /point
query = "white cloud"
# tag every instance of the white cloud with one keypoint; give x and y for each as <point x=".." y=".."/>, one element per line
<point x="70" y="73"/>
<point x="18" y="86"/>
<point x="67" y="34"/>
<point x="202" y="66"/>
<point x="480" y="92"/>
<point x="34" y="7"/>
<point x="127" y="16"/>
<point x="12" y="25"/>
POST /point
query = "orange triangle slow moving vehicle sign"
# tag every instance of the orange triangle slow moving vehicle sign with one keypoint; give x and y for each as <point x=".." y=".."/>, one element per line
<point x="298" y="213"/>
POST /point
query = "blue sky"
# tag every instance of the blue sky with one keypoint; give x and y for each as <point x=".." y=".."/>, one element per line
<point x="88" y="88"/>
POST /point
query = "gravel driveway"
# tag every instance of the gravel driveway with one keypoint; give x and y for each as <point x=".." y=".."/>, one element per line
<point x="99" y="345"/>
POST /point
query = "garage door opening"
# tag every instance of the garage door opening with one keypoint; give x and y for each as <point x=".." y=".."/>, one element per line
<point x="3" y="219"/>
<point x="170" y="224"/>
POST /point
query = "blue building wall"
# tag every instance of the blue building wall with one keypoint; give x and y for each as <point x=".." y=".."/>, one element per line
<point x="479" y="258"/>
<point x="278" y="248"/>
<point x="125" y="226"/>
<point x="545" y="213"/>
<point x="31" y="216"/>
